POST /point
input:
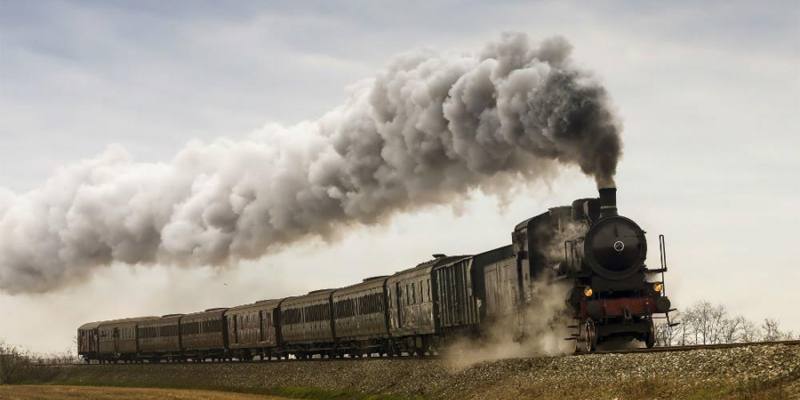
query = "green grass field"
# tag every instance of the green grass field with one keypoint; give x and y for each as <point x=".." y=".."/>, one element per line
<point x="47" y="392"/>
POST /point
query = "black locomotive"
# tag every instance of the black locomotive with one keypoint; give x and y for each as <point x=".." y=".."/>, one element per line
<point x="415" y="311"/>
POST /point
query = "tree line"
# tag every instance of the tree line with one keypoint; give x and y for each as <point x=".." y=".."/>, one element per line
<point x="707" y="323"/>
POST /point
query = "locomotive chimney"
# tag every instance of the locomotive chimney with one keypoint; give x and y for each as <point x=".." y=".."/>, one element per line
<point x="608" y="202"/>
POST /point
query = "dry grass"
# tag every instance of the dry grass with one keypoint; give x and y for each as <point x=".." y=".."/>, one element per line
<point x="46" y="392"/>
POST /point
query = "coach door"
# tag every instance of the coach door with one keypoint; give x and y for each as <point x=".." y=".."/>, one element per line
<point x="116" y="340"/>
<point x="399" y="303"/>
<point x="236" y="328"/>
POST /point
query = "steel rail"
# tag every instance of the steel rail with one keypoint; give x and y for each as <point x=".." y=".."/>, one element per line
<point x="436" y="357"/>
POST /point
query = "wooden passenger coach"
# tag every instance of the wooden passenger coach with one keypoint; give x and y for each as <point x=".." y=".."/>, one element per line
<point x="203" y="334"/>
<point x="252" y="329"/>
<point x="160" y="338"/>
<point x="359" y="315"/>
<point x="306" y="324"/>
<point x="118" y="338"/>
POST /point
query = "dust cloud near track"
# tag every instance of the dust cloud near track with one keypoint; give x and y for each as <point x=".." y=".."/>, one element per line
<point x="429" y="128"/>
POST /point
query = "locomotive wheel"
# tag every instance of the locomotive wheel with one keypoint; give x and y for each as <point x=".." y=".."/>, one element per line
<point x="650" y="336"/>
<point x="650" y="340"/>
<point x="589" y="336"/>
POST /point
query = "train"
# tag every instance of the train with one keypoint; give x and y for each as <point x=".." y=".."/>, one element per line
<point x="417" y="311"/>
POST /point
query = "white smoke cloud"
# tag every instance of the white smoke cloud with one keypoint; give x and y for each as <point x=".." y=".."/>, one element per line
<point x="427" y="129"/>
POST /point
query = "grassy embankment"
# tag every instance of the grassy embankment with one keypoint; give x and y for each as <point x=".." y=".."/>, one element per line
<point x="52" y="392"/>
<point x="85" y="383"/>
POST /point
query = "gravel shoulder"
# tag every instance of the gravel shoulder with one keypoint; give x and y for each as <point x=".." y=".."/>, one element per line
<point x="753" y="372"/>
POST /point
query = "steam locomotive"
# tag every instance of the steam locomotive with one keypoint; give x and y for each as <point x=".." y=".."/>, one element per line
<point x="597" y="252"/>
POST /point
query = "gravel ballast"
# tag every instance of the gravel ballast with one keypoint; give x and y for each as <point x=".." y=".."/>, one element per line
<point x="754" y="372"/>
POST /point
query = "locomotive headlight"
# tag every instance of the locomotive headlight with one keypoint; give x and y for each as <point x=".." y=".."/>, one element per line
<point x="587" y="291"/>
<point x="658" y="287"/>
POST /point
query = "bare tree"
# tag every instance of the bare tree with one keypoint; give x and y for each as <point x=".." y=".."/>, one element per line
<point x="669" y="335"/>
<point x="704" y="321"/>
<point x="749" y="331"/>
<point x="730" y="329"/>
<point x="686" y="330"/>
<point x="12" y="362"/>
<point x="770" y="329"/>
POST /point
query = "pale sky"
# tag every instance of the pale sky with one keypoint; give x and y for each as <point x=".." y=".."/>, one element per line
<point x="709" y="97"/>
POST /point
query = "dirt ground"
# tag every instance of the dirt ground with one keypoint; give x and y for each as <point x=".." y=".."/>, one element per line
<point x="46" y="392"/>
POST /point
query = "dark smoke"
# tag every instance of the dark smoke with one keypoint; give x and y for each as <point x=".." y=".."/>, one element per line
<point x="426" y="130"/>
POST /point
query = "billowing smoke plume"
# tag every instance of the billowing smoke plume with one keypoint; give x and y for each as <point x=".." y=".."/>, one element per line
<point x="427" y="129"/>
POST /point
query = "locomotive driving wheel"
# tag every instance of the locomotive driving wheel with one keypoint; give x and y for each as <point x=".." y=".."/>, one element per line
<point x="650" y="336"/>
<point x="588" y="337"/>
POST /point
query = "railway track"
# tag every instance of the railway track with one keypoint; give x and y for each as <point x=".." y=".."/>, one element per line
<point x="435" y="357"/>
<point x="699" y="347"/>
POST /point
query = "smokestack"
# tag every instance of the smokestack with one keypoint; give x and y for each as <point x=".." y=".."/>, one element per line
<point x="608" y="202"/>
